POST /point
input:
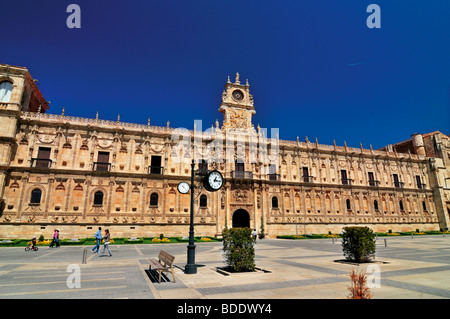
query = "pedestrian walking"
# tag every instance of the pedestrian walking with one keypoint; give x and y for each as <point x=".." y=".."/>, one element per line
<point x="55" y="240"/>
<point x="254" y="233"/>
<point x="106" y="243"/>
<point x="98" y="237"/>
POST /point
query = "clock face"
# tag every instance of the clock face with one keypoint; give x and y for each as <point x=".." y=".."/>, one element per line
<point x="215" y="180"/>
<point x="183" y="187"/>
<point x="238" y="95"/>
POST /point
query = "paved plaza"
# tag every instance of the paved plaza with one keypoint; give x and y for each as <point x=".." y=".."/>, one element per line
<point x="410" y="268"/>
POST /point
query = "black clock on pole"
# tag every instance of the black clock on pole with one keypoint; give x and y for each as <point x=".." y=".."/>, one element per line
<point x="213" y="181"/>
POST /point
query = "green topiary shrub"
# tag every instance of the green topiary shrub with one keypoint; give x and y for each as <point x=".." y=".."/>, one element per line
<point x="358" y="243"/>
<point x="238" y="249"/>
<point x="261" y="233"/>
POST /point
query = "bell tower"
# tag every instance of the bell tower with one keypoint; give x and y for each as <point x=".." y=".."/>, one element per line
<point x="237" y="106"/>
<point x="18" y="93"/>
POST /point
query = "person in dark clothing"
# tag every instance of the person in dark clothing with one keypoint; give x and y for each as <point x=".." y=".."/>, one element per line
<point x="55" y="240"/>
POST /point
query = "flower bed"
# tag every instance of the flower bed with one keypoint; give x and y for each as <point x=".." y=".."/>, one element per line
<point x="290" y="237"/>
<point x="45" y="242"/>
<point x="310" y="236"/>
<point x="160" y="240"/>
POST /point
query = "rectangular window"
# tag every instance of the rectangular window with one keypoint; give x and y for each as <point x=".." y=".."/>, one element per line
<point x="103" y="157"/>
<point x="5" y="91"/>
<point x="239" y="169"/>
<point x="203" y="166"/>
<point x="272" y="172"/>
<point x="344" y="177"/>
<point x="155" y="167"/>
<point x="397" y="182"/>
<point x="239" y="166"/>
<point x="371" y="179"/>
<point x="102" y="164"/>
<point x="44" y="153"/>
<point x="43" y="159"/>
<point x="305" y="175"/>
<point x="272" y="169"/>
<point x="419" y="182"/>
<point x="36" y="196"/>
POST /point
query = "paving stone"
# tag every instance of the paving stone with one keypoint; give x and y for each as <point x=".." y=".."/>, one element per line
<point x="416" y="268"/>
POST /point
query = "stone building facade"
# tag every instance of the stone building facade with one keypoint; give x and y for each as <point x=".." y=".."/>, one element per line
<point x="75" y="174"/>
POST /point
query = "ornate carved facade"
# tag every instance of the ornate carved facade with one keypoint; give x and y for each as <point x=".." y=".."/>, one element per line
<point x="75" y="173"/>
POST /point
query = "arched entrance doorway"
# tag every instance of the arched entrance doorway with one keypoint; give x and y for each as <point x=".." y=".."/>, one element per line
<point x="241" y="218"/>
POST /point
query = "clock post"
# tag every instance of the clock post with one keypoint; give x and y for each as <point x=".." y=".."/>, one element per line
<point x="190" y="267"/>
<point x="212" y="182"/>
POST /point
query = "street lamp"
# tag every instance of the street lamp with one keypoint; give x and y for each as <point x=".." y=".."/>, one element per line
<point x="190" y="267"/>
<point x="212" y="181"/>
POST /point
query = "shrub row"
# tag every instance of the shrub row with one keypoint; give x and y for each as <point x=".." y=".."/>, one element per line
<point x="117" y="240"/>
<point x="312" y="236"/>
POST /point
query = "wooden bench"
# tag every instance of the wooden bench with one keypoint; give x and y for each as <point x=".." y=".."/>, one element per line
<point x="163" y="263"/>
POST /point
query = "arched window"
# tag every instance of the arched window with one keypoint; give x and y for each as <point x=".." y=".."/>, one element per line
<point x="401" y="206"/>
<point x="5" y="91"/>
<point x="203" y="201"/>
<point x="424" y="206"/>
<point x="154" y="199"/>
<point x="36" y="196"/>
<point x="98" y="198"/>
<point x="375" y="204"/>
<point x="347" y="202"/>
<point x="274" y="202"/>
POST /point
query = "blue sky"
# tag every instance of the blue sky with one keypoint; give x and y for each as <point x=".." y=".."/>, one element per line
<point x="314" y="67"/>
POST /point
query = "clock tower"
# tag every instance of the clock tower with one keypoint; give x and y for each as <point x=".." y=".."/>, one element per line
<point x="237" y="106"/>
